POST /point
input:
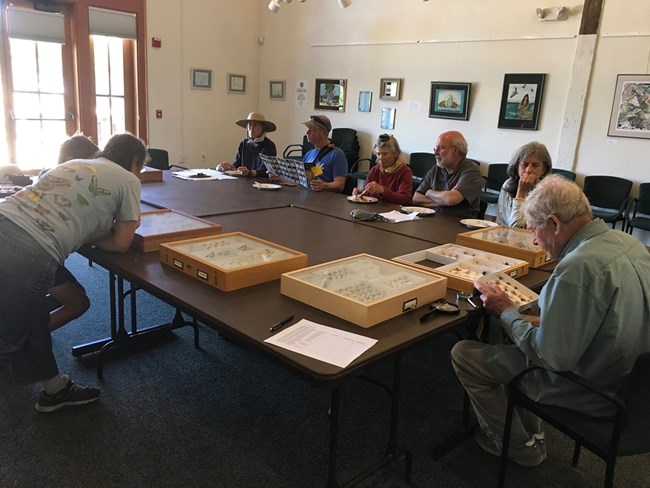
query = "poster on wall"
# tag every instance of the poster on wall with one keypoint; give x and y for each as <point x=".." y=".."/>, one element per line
<point x="302" y="93"/>
<point x="521" y="101"/>
<point x="631" y="108"/>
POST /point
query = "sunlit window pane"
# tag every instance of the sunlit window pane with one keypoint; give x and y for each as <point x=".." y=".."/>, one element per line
<point x="102" y="81"/>
<point x="4" y="148"/>
<point x="103" y="120"/>
<point x="27" y="106"/>
<point x="52" y="107"/>
<point x="49" y="63"/>
<point x="117" y="109"/>
<point x="37" y="143"/>
<point x="23" y="65"/>
<point x="117" y="66"/>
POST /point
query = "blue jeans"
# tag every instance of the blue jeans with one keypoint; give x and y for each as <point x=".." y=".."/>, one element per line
<point x="26" y="273"/>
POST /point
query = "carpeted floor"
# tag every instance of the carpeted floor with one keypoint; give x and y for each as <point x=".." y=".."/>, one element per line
<point x="174" y="416"/>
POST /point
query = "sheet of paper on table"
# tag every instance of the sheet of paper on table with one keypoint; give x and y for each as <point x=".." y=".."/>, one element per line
<point x="327" y="344"/>
<point x="396" y="216"/>
<point x="202" y="175"/>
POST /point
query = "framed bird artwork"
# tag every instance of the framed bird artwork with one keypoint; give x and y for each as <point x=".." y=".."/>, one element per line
<point x="521" y="101"/>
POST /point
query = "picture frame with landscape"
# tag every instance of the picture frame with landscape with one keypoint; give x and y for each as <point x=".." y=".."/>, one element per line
<point x="521" y="101"/>
<point x="449" y="100"/>
<point x="330" y="94"/>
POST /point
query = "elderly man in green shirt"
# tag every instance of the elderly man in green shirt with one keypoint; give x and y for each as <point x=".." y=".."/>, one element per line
<point x="594" y="322"/>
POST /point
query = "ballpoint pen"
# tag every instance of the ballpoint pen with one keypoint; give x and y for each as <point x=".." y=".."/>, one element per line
<point x="281" y="324"/>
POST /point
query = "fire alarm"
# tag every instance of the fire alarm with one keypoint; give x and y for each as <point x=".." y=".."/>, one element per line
<point x="156" y="42"/>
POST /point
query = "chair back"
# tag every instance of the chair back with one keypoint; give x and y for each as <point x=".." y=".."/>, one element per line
<point x="348" y="141"/>
<point x="298" y="151"/>
<point x="158" y="158"/>
<point x="607" y="191"/>
<point x="569" y="175"/>
<point x="496" y="176"/>
<point x="643" y="202"/>
<point x="421" y="163"/>
<point x="635" y="435"/>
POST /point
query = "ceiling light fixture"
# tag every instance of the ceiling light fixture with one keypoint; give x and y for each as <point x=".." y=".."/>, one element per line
<point x="274" y="6"/>
<point x="345" y="3"/>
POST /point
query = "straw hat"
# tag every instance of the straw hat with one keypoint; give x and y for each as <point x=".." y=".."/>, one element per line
<point x="257" y="117"/>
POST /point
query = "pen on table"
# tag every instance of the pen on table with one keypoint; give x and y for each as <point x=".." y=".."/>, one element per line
<point x="281" y="324"/>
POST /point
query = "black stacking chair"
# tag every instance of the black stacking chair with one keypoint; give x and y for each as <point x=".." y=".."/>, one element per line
<point x="627" y="433"/>
<point x="496" y="176"/>
<point x="348" y="141"/>
<point x="569" y="175"/>
<point x="360" y="174"/>
<point x="158" y="158"/>
<point x="639" y="205"/>
<point x="421" y="163"/>
<point x="297" y="151"/>
<point x="608" y="196"/>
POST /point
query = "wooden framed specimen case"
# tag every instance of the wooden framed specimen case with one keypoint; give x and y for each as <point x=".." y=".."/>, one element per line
<point x="363" y="289"/>
<point x="461" y="265"/>
<point x="165" y="225"/>
<point x="148" y="174"/>
<point x="520" y="295"/>
<point x="231" y="261"/>
<point x="508" y="241"/>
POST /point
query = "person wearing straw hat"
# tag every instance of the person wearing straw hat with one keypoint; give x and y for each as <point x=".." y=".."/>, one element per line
<point x="247" y="160"/>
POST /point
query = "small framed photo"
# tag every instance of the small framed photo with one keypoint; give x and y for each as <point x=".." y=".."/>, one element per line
<point x="365" y="101"/>
<point x="521" y="101"/>
<point x="201" y="79"/>
<point x="629" y="116"/>
<point x="330" y="94"/>
<point x="388" y="118"/>
<point x="276" y="89"/>
<point x="390" y="89"/>
<point x="236" y="83"/>
<point x="449" y="100"/>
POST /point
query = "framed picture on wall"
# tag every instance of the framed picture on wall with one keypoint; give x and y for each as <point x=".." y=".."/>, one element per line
<point x="390" y="89"/>
<point x="276" y="89"/>
<point x="236" y="83"/>
<point x="201" y="79"/>
<point x="449" y="100"/>
<point x="631" y="108"/>
<point x="365" y="101"/>
<point x="330" y="94"/>
<point x="387" y="118"/>
<point x="521" y="101"/>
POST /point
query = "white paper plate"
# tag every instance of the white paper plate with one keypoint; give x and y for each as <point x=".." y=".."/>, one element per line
<point x="363" y="199"/>
<point x="421" y="211"/>
<point x="266" y="186"/>
<point x="478" y="223"/>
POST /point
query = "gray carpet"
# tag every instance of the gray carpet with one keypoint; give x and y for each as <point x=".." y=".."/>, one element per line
<point x="174" y="416"/>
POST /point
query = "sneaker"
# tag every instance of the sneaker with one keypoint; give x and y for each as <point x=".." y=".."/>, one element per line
<point x="72" y="394"/>
<point x="532" y="453"/>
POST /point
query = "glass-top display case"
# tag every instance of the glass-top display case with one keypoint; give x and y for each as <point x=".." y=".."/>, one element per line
<point x="158" y="226"/>
<point x="363" y="289"/>
<point x="231" y="261"/>
<point x="508" y="241"/>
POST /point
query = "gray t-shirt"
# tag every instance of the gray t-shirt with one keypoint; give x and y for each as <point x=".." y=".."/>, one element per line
<point x="74" y="203"/>
<point x="468" y="179"/>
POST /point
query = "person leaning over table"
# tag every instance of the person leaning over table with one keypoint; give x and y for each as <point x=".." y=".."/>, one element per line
<point x="330" y="159"/>
<point x="453" y="185"/>
<point x="67" y="297"/>
<point x="528" y="165"/>
<point x="391" y="180"/>
<point x="247" y="160"/>
<point x="93" y="201"/>
<point x="594" y="323"/>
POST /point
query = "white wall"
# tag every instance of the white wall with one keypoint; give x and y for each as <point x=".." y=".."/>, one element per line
<point x="473" y="41"/>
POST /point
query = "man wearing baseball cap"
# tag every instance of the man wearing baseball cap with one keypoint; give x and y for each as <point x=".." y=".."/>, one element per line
<point x="247" y="160"/>
<point x="330" y="159"/>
